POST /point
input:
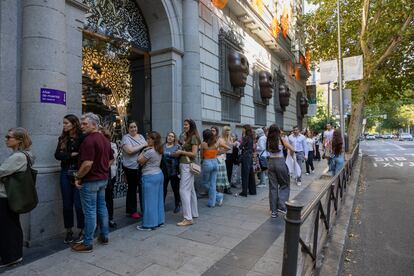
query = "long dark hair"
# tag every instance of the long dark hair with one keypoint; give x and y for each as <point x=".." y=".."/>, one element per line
<point x="273" y="139"/>
<point x="64" y="136"/>
<point x="249" y="131"/>
<point x="209" y="137"/>
<point x="337" y="142"/>
<point x="156" y="137"/>
<point x="192" y="132"/>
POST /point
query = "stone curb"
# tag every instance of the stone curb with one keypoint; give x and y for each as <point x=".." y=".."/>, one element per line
<point x="334" y="249"/>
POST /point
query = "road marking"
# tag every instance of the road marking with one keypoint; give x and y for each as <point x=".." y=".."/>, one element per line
<point x="393" y="164"/>
<point x="397" y="146"/>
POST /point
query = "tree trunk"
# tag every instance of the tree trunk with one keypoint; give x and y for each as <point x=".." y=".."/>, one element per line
<point x="355" y="123"/>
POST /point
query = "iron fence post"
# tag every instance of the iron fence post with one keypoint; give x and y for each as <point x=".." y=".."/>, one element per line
<point x="292" y="235"/>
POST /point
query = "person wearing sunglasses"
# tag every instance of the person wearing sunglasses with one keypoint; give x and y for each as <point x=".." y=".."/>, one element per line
<point x="11" y="234"/>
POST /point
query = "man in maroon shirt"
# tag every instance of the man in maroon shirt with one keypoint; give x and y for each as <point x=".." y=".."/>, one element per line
<point x="95" y="157"/>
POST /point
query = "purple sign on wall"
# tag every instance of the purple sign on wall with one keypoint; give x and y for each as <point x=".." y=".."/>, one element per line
<point x="53" y="96"/>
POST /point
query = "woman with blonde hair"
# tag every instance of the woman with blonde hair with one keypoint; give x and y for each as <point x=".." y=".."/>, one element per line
<point x="222" y="183"/>
<point x="230" y="156"/>
<point x="11" y="234"/>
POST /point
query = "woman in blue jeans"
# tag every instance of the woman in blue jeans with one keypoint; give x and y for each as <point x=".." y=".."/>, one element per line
<point x="152" y="184"/>
<point x="337" y="158"/>
<point x="67" y="152"/>
<point x="210" y="168"/>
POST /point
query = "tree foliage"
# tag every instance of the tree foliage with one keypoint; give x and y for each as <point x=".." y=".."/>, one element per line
<point x="383" y="32"/>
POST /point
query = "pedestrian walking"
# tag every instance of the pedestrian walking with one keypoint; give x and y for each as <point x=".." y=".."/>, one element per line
<point x="188" y="154"/>
<point x="210" y="167"/>
<point x="260" y="149"/>
<point x="172" y="169"/>
<point x="298" y="142"/>
<point x="279" y="180"/>
<point x="247" y="173"/>
<point x="109" y="190"/>
<point x="132" y="144"/>
<point x="317" y="154"/>
<point x="327" y="143"/>
<point x="311" y="149"/>
<point x="95" y="157"/>
<point x="67" y="152"/>
<point x="337" y="157"/>
<point x="222" y="184"/>
<point x="11" y="234"/>
<point x="152" y="184"/>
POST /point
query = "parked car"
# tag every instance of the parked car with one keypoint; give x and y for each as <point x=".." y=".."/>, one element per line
<point x="370" y="137"/>
<point x="387" y="136"/>
<point x="406" y="137"/>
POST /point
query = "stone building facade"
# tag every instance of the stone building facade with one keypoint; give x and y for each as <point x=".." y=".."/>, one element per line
<point x="173" y="56"/>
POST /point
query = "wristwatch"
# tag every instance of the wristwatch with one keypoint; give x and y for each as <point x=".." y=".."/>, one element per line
<point x="76" y="176"/>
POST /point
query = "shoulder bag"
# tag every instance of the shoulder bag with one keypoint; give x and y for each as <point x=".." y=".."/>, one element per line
<point x="21" y="189"/>
<point x="194" y="167"/>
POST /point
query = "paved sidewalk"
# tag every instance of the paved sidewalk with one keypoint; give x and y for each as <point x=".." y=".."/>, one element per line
<point x="238" y="238"/>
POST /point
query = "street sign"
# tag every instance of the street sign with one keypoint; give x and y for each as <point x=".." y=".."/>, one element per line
<point x="353" y="68"/>
<point x="52" y="96"/>
<point x="347" y="101"/>
<point x="328" y="71"/>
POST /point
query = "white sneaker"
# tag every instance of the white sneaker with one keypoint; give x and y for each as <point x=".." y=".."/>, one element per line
<point x="312" y="171"/>
<point x="299" y="183"/>
<point x="307" y="173"/>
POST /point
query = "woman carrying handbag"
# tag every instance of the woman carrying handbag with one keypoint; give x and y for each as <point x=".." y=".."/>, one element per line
<point x="11" y="234"/>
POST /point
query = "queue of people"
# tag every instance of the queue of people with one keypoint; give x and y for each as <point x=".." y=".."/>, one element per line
<point x="88" y="169"/>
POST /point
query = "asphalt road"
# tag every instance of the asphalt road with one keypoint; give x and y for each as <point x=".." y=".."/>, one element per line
<point x="381" y="236"/>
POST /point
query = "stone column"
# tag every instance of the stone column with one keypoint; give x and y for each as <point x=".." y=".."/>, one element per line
<point x="75" y="15"/>
<point x="43" y="65"/>
<point x="191" y="62"/>
<point x="9" y="68"/>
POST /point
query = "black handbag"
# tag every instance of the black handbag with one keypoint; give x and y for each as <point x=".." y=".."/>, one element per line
<point x="262" y="162"/>
<point x="21" y="189"/>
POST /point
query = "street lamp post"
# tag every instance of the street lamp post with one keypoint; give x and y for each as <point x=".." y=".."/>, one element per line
<point x="341" y="97"/>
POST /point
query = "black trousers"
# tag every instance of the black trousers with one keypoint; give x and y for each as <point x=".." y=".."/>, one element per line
<point x="175" y="185"/>
<point x="309" y="162"/>
<point x="317" y="153"/>
<point x="229" y="166"/>
<point x="133" y="178"/>
<point x="109" y="197"/>
<point x="247" y="175"/>
<point x="11" y="234"/>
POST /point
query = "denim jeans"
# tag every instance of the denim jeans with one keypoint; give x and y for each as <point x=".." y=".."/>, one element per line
<point x="153" y="200"/>
<point x="92" y="196"/>
<point x="70" y="198"/>
<point x="209" y="170"/>
<point x="337" y="163"/>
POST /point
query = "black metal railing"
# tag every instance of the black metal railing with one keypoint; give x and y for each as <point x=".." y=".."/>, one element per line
<point x="329" y="196"/>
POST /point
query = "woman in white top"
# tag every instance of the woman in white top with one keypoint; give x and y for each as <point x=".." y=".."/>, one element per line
<point x="260" y="148"/>
<point x="132" y="144"/>
<point x="311" y="149"/>
<point x="11" y="234"/>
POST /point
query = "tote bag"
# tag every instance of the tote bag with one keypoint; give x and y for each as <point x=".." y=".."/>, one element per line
<point x="21" y="189"/>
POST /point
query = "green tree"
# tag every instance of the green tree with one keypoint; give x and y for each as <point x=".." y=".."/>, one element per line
<point x="380" y="30"/>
